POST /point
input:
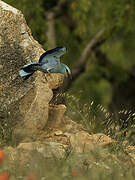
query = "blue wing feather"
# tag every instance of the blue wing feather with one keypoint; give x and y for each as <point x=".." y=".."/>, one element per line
<point x="56" y="53"/>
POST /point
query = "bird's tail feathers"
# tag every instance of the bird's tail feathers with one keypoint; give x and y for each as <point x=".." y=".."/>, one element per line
<point x="28" y="69"/>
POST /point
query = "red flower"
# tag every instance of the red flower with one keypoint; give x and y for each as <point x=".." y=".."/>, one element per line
<point x="4" y="176"/>
<point x="74" y="173"/>
<point x="32" y="177"/>
<point x="2" y="156"/>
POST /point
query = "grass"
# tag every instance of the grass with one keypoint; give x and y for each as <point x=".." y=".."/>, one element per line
<point x="95" y="118"/>
<point x="5" y="128"/>
<point x="99" y="164"/>
<point x="108" y="163"/>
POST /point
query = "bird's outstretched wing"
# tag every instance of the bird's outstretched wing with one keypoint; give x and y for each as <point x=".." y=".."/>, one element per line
<point x="52" y="56"/>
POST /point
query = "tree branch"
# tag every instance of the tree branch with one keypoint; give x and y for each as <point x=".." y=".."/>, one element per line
<point x="80" y="66"/>
<point x="50" y="16"/>
<point x="59" y="6"/>
<point x="51" y="39"/>
<point x="57" y="9"/>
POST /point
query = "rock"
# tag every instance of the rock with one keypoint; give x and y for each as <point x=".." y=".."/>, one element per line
<point x="27" y="102"/>
<point x="47" y="149"/>
<point x="56" y="115"/>
<point x="131" y="152"/>
<point x="58" y="133"/>
<point x="25" y="152"/>
<point x="84" y="142"/>
<point x="55" y="81"/>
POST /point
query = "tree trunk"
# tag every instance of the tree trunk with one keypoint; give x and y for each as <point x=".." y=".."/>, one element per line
<point x="51" y="39"/>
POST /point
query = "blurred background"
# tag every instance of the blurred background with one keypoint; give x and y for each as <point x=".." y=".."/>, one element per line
<point x="100" y="38"/>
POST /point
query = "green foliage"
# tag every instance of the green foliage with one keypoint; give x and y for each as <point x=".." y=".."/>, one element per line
<point x="93" y="88"/>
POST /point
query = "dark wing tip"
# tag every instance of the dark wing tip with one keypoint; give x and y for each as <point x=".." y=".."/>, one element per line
<point x="49" y="52"/>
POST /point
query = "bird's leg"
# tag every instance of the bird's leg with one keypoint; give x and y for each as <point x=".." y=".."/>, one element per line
<point x="48" y="72"/>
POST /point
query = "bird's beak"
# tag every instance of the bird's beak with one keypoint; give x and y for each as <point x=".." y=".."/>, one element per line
<point x="64" y="49"/>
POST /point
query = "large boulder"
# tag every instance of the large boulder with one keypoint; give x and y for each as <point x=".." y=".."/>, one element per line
<point x="26" y="102"/>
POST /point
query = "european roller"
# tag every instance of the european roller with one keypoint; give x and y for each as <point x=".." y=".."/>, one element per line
<point x="49" y="62"/>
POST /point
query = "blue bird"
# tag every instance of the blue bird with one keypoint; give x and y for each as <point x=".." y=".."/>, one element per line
<point x="49" y="62"/>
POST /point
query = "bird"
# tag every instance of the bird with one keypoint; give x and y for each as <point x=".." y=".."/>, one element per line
<point x="49" y="62"/>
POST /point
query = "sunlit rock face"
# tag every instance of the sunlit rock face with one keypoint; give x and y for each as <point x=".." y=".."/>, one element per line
<point x="26" y="102"/>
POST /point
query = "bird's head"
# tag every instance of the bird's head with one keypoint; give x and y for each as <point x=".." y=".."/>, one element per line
<point x="60" y="51"/>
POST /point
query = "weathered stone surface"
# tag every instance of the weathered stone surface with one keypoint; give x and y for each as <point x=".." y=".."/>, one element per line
<point x="33" y="108"/>
<point x="131" y="152"/>
<point x="84" y="142"/>
<point x="25" y="101"/>
<point x="56" y="115"/>
<point x="76" y="143"/>
<point x="17" y="47"/>
<point x="55" y="81"/>
<point x="47" y="149"/>
<point x="26" y="153"/>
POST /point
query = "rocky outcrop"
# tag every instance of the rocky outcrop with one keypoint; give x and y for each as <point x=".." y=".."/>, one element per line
<point x="26" y="102"/>
<point x="57" y="144"/>
<point x="84" y="142"/>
